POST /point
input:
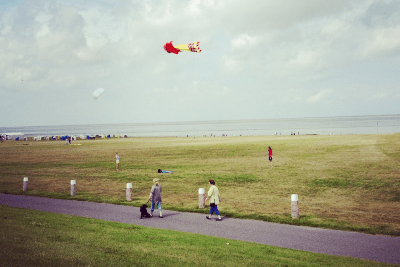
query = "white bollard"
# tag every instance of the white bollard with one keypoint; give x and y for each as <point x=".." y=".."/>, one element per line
<point x="295" y="206"/>
<point x="129" y="192"/>
<point x="73" y="187"/>
<point x="202" y="198"/>
<point x="25" y="185"/>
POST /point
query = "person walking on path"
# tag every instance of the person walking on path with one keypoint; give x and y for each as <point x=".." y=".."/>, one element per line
<point x="155" y="197"/>
<point x="270" y="155"/>
<point x="117" y="157"/>
<point x="213" y="195"/>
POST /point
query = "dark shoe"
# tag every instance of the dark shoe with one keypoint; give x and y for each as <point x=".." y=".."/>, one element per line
<point x="208" y="217"/>
<point x="219" y="219"/>
<point x="161" y="216"/>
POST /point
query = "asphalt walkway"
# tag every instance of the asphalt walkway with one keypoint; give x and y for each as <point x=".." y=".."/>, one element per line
<point x="333" y="242"/>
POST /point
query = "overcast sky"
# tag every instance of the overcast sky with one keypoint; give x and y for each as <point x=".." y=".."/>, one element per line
<point x="260" y="60"/>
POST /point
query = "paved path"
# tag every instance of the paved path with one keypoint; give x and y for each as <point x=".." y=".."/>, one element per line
<point x="372" y="247"/>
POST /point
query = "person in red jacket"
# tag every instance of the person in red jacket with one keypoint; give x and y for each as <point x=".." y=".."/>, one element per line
<point x="270" y="155"/>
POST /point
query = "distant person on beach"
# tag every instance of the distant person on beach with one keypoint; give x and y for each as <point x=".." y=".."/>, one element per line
<point x="213" y="195"/>
<point x="270" y="155"/>
<point x="117" y="157"/>
<point x="155" y="197"/>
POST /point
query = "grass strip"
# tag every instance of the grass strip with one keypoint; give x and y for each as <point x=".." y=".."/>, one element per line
<point x="35" y="238"/>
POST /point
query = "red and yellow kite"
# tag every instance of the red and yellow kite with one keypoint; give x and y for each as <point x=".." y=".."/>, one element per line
<point x="192" y="47"/>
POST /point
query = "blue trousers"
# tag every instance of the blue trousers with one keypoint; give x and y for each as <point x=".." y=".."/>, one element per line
<point x="213" y="208"/>
<point x="158" y="206"/>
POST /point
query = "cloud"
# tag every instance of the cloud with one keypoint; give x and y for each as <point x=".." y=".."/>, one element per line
<point x="384" y="42"/>
<point x="304" y="58"/>
<point x="318" y="97"/>
<point x="253" y="53"/>
<point x="243" y="41"/>
<point x="378" y="96"/>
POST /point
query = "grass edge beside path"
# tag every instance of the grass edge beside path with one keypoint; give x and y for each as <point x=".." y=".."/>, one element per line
<point x="37" y="238"/>
<point x="305" y="220"/>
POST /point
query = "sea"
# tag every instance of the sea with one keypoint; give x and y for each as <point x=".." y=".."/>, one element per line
<point x="382" y="124"/>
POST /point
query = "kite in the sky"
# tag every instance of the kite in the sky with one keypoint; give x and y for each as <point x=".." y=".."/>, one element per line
<point x="192" y="47"/>
<point x="98" y="92"/>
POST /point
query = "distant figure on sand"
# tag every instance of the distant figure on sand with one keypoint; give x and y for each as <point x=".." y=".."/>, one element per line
<point x="155" y="197"/>
<point x="270" y="155"/>
<point x="117" y="157"/>
<point x="213" y="195"/>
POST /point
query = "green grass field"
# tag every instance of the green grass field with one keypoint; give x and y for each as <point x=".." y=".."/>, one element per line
<point x="34" y="238"/>
<point x="348" y="182"/>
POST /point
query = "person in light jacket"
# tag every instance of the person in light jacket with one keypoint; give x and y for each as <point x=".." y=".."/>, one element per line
<point x="213" y="195"/>
<point x="117" y="157"/>
<point x="155" y="197"/>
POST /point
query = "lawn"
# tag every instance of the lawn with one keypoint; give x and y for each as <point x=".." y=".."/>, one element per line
<point x="35" y="238"/>
<point x="347" y="182"/>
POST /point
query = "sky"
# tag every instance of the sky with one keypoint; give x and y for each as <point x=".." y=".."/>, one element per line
<point x="259" y="60"/>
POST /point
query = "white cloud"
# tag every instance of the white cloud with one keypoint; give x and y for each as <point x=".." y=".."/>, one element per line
<point x="230" y="64"/>
<point x="384" y="42"/>
<point x="283" y="52"/>
<point x="6" y="29"/>
<point x="193" y="7"/>
<point x="243" y="41"/>
<point x="378" y="96"/>
<point x="318" y="97"/>
<point x="304" y="58"/>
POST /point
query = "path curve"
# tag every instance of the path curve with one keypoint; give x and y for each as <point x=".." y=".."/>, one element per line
<point x="333" y="242"/>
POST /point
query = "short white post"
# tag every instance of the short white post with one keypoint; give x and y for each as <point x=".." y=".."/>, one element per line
<point x="295" y="206"/>
<point x="73" y="187"/>
<point x="202" y="198"/>
<point x="129" y="192"/>
<point x="25" y="185"/>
